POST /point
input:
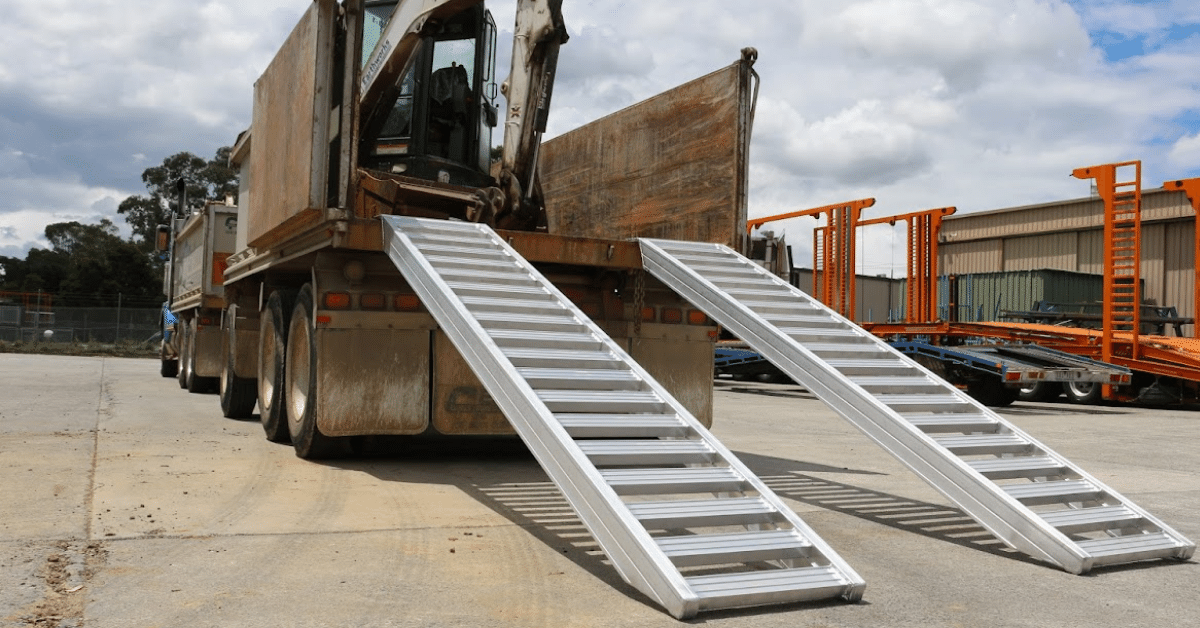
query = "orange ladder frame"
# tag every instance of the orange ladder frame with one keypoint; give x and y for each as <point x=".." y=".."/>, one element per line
<point x="1122" y="254"/>
<point x="920" y="303"/>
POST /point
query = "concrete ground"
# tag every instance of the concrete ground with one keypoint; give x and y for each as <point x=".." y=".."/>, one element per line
<point x="125" y="501"/>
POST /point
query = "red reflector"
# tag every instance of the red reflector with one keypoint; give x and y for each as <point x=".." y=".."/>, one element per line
<point x="337" y="301"/>
<point x="648" y="314"/>
<point x="672" y="315"/>
<point x="324" y="320"/>
<point x="406" y="302"/>
<point x="373" y="301"/>
<point x="696" y="317"/>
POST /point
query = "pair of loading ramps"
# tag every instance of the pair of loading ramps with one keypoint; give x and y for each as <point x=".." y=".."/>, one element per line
<point x="678" y="515"/>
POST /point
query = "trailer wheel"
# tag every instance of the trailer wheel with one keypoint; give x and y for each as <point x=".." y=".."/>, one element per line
<point x="238" y="394"/>
<point x="301" y="378"/>
<point x="272" y="344"/>
<point x="181" y="372"/>
<point x="169" y="368"/>
<point x="1086" y="393"/>
<point x="1039" y="391"/>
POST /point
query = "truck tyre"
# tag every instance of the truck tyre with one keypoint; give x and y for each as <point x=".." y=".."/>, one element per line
<point x="272" y="344"/>
<point x="301" y="378"/>
<point x="1084" y="393"/>
<point x="182" y="371"/>
<point x="238" y="394"/>
<point x="1039" y="391"/>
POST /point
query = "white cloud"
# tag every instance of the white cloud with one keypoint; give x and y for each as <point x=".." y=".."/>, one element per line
<point x="1185" y="152"/>
<point x="919" y="103"/>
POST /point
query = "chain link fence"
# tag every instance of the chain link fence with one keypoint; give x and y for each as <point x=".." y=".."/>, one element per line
<point x="80" y="324"/>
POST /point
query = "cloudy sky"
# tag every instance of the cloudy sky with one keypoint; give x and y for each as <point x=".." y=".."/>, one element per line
<point x="980" y="104"/>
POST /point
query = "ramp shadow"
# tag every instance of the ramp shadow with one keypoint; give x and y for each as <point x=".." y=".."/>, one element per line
<point x="790" y="479"/>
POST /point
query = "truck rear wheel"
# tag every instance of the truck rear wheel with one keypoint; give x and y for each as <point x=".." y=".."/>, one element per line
<point x="301" y="377"/>
<point x="990" y="391"/>
<point x="238" y="394"/>
<point x="1085" y="393"/>
<point x="272" y="344"/>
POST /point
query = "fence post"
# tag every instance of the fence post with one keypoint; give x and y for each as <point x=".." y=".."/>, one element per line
<point x="118" y="340"/>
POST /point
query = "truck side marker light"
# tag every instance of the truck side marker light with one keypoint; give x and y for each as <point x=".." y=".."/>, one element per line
<point x="406" y="302"/>
<point x="696" y="317"/>
<point x="672" y="315"/>
<point x="648" y="315"/>
<point x="337" y="301"/>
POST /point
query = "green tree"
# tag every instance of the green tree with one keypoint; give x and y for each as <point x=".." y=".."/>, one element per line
<point x="92" y="265"/>
<point x="204" y="180"/>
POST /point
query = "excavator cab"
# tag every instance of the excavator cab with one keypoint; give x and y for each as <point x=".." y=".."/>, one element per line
<point x="439" y="125"/>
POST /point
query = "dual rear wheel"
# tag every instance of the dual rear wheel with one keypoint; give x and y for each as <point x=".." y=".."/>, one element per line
<point x="287" y="377"/>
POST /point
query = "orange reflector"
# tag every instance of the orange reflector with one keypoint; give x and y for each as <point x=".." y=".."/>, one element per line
<point x="696" y="317"/>
<point x="337" y="301"/>
<point x="406" y="302"/>
<point x="1012" y="376"/>
<point x="372" y="301"/>
<point x="648" y="315"/>
<point x="672" y="315"/>
<point x="324" y="320"/>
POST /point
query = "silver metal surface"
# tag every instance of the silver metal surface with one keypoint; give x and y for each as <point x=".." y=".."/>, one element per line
<point x="1031" y="498"/>
<point x="560" y="380"/>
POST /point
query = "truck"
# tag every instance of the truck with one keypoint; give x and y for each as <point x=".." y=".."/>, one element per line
<point x="389" y="279"/>
<point x="198" y="245"/>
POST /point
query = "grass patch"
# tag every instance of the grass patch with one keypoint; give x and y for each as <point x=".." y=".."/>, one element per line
<point x="106" y="349"/>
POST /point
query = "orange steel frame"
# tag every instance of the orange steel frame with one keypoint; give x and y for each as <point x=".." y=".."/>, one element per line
<point x="1122" y="254"/>
<point x="1191" y="187"/>
<point x="921" y="287"/>
<point x="1119" y="342"/>
<point x="833" y="281"/>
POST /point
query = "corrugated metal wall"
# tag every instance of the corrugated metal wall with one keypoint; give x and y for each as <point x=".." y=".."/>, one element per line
<point x="1069" y="235"/>
<point x="876" y="298"/>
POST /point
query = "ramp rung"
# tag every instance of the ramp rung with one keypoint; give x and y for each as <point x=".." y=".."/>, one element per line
<point x="583" y="425"/>
<point x="751" y="588"/>
<point x="566" y="358"/>
<point x="545" y="339"/>
<point x="602" y="401"/>
<point x="647" y="452"/>
<point x="1018" y="467"/>
<point x="580" y="379"/>
<point x="528" y="292"/>
<point x="514" y="306"/>
<point x="714" y="549"/>
<point x="952" y="422"/>
<point x="1133" y="547"/>
<point x="822" y="332"/>
<point x="668" y="481"/>
<point x="1091" y="519"/>
<point x="538" y="322"/>
<point x="703" y="512"/>
<point x="1053" y="492"/>
<point x="985" y="444"/>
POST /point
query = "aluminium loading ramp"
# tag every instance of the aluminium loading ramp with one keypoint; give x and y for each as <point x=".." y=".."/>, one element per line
<point x="1030" y="497"/>
<point x="681" y="519"/>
